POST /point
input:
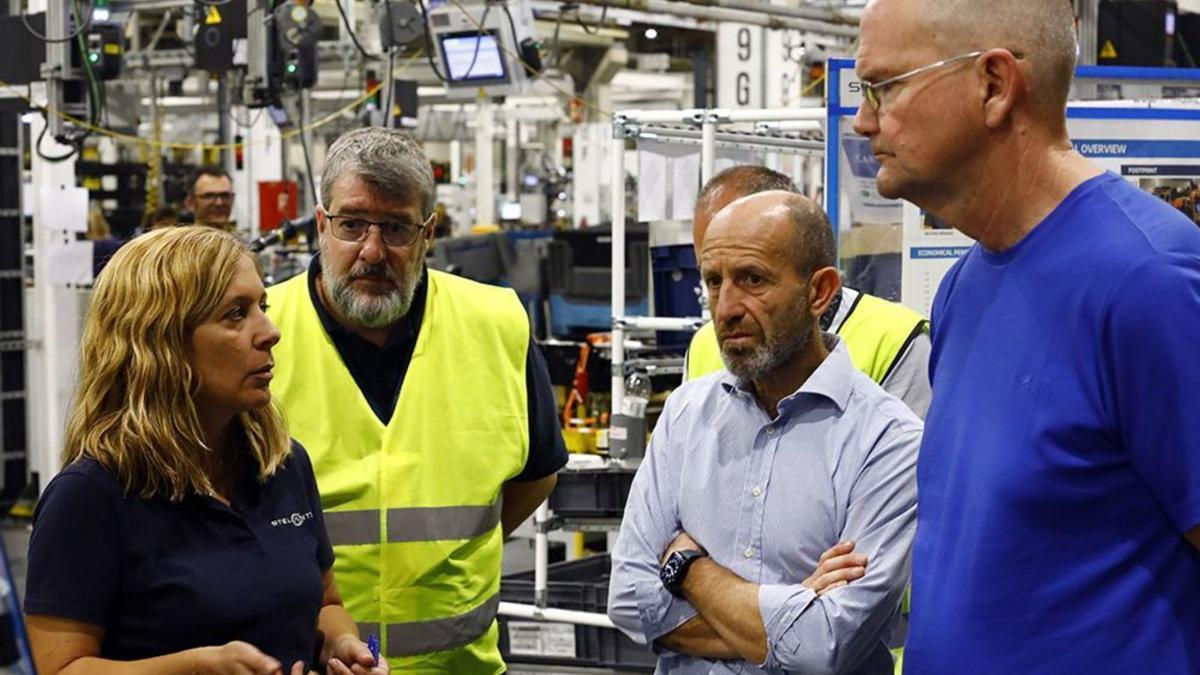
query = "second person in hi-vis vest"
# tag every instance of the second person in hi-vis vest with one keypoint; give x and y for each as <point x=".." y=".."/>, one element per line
<point x="887" y="341"/>
<point x="426" y="408"/>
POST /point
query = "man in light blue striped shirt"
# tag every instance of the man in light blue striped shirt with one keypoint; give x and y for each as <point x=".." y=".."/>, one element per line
<point x="753" y="472"/>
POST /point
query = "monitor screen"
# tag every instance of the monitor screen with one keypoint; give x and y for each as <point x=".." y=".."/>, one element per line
<point x="510" y="211"/>
<point x="473" y="57"/>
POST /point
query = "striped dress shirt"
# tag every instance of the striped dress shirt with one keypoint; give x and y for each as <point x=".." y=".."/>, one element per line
<point x="765" y="497"/>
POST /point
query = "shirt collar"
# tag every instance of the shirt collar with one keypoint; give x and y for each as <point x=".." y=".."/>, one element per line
<point x="833" y="379"/>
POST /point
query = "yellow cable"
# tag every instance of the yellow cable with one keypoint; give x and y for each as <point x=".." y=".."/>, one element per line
<point x="121" y="136"/>
<point x="814" y="84"/>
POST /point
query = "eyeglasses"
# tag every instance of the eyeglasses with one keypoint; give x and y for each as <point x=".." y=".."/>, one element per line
<point x="873" y="93"/>
<point x="215" y="196"/>
<point x="393" y="232"/>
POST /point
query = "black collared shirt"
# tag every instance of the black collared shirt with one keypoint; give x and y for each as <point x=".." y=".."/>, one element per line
<point x="379" y="374"/>
<point x="161" y="576"/>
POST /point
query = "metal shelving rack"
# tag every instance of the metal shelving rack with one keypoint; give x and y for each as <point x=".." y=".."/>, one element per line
<point x="771" y="129"/>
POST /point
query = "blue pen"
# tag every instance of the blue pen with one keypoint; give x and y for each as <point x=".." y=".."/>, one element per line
<point x="373" y="645"/>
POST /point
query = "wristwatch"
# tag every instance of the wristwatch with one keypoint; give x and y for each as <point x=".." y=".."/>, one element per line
<point x="675" y="569"/>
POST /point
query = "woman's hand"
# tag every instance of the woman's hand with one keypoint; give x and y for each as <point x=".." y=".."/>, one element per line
<point x="351" y="656"/>
<point x="236" y="658"/>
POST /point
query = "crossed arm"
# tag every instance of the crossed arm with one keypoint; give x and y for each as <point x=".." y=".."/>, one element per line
<point x="715" y="591"/>
<point x="792" y="626"/>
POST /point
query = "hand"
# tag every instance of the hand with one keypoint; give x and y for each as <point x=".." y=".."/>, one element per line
<point x="236" y="658"/>
<point x="682" y="542"/>
<point x="351" y="656"/>
<point x="838" y="567"/>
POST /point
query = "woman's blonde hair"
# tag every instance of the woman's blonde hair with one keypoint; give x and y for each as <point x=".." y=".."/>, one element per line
<point x="135" y="410"/>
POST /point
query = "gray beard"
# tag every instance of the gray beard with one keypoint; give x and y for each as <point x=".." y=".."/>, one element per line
<point x="793" y="338"/>
<point x="369" y="310"/>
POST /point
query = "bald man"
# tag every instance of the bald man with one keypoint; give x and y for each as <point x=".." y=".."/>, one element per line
<point x="754" y="471"/>
<point x="1060" y="474"/>
<point x="887" y="341"/>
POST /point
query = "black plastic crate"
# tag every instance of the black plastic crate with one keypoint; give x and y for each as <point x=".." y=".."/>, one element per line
<point x="591" y="494"/>
<point x="579" y="585"/>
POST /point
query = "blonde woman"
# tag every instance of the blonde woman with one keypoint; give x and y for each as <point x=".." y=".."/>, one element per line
<point x="184" y="533"/>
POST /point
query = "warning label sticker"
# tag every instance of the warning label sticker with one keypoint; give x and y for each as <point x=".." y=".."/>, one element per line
<point x="212" y="16"/>
<point x="531" y="638"/>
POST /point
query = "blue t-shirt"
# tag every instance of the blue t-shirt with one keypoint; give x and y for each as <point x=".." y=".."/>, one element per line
<point x="163" y="577"/>
<point x="1060" y="466"/>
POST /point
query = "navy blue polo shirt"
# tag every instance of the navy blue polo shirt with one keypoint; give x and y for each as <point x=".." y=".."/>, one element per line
<point x="379" y="373"/>
<point x="163" y="577"/>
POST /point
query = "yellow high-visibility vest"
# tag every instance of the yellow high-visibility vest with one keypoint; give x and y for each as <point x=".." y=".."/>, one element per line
<point x="413" y="506"/>
<point x="876" y="332"/>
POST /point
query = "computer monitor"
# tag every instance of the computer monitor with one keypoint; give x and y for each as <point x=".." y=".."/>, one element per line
<point x="473" y="58"/>
<point x="15" y="655"/>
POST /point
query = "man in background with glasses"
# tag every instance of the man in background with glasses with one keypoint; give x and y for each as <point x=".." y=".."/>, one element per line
<point x="210" y="197"/>
<point x="425" y="406"/>
<point x="1059" y="477"/>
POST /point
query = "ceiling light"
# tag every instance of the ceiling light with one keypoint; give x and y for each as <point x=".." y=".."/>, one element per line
<point x="651" y="33"/>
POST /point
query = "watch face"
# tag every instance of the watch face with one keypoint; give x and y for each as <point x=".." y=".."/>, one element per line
<point x="672" y="571"/>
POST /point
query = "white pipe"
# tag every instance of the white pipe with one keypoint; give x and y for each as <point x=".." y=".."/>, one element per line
<point x="485" y="180"/>
<point x="770" y="114"/>
<point x="560" y="615"/>
<point x="791" y="145"/>
<point x="662" y="323"/>
<point x="511" y="144"/>
<point x="618" y="269"/>
<point x="708" y="149"/>
<point x="698" y="115"/>
<point x="790" y="125"/>
<point x="658" y="116"/>
<point x="755" y="18"/>
<point x="541" y="553"/>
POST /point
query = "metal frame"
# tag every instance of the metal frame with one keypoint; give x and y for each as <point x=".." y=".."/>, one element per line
<point x="639" y="124"/>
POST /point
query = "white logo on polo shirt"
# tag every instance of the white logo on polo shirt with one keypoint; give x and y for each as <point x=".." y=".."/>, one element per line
<point x="296" y="519"/>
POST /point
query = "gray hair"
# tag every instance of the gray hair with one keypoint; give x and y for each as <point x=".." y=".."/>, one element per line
<point x="389" y="160"/>
<point x="812" y="235"/>
<point x="1042" y="32"/>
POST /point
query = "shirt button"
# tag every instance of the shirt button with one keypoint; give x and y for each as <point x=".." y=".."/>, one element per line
<point x="757" y="491"/>
<point x="770" y="431"/>
<point x="749" y="553"/>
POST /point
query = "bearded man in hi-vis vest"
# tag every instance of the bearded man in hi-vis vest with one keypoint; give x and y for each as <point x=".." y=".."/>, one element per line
<point x="887" y="341"/>
<point x="426" y="408"/>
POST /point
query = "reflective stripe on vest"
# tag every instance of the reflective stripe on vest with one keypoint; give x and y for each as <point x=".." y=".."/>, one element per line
<point x="351" y="528"/>
<point x="413" y="505"/>
<point x="419" y="637"/>
<point x="876" y="333"/>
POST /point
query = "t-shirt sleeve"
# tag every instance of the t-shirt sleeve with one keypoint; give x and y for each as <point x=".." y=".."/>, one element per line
<point x="1153" y="331"/>
<point x="547" y="452"/>
<point x="305" y="471"/>
<point x="74" y="565"/>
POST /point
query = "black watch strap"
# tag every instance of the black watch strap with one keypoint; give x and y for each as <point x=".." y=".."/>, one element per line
<point x="675" y="569"/>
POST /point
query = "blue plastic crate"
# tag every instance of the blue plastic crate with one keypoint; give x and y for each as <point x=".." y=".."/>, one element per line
<point x="676" y="289"/>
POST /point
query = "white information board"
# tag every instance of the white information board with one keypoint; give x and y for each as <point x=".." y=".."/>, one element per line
<point x="740" y="72"/>
<point x="1156" y="149"/>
